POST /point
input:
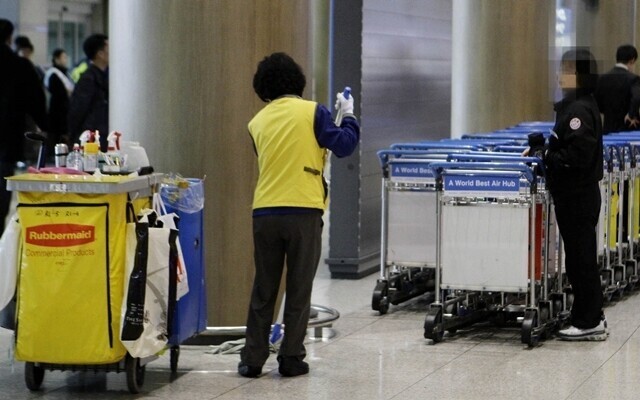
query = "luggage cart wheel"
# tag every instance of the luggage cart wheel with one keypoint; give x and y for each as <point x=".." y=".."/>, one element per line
<point x="557" y="307"/>
<point x="135" y="374"/>
<point x="618" y="276"/>
<point x="380" y="300"/>
<point x="433" y="327"/>
<point x="529" y="325"/>
<point x="605" y="277"/>
<point x="174" y="356"/>
<point x="33" y="376"/>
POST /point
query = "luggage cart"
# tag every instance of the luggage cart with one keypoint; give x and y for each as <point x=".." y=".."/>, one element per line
<point x="612" y="220"/>
<point x="407" y="251"/>
<point x="623" y="274"/>
<point x="71" y="278"/>
<point x="485" y="266"/>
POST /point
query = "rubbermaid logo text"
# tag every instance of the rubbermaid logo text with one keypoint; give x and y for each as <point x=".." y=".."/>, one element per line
<point x="60" y="235"/>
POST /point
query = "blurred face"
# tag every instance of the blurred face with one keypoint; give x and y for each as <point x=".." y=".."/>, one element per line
<point x="567" y="77"/>
<point x="25" y="52"/>
<point x="62" y="60"/>
<point x="103" y="55"/>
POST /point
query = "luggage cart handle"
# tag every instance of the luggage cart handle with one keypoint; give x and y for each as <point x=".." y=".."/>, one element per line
<point x="431" y="145"/>
<point x="386" y="155"/>
<point x="439" y="167"/>
<point x="501" y="158"/>
<point x="510" y="149"/>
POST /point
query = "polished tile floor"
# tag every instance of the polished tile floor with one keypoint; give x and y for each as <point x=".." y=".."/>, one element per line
<point x="381" y="357"/>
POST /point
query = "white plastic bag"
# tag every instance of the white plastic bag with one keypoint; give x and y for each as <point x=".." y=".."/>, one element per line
<point x="9" y="256"/>
<point x="169" y="221"/>
<point x="146" y="311"/>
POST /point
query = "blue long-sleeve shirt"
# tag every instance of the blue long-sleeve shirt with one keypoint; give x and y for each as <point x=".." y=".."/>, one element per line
<point x="341" y="140"/>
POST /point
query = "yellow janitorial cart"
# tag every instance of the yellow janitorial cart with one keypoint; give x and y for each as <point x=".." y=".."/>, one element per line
<point x="71" y="274"/>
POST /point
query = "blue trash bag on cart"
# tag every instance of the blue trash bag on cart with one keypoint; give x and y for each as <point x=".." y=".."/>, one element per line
<point x="185" y="197"/>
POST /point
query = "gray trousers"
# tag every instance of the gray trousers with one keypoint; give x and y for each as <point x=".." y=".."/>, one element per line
<point x="296" y="239"/>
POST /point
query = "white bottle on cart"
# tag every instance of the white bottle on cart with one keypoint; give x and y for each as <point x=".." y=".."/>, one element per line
<point x="74" y="159"/>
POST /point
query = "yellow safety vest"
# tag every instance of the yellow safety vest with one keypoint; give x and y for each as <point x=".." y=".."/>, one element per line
<point x="290" y="160"/>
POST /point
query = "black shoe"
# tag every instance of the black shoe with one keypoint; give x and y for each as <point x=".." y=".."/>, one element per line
<point x="292" y="366"/>
<point x="249" y="371"/>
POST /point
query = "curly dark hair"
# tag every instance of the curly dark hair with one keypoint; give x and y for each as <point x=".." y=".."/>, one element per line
<point x="278" y="75"/>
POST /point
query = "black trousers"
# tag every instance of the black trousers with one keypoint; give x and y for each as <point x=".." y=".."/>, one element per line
<point x="577" y="215"/>
<point x="296" y="239"/>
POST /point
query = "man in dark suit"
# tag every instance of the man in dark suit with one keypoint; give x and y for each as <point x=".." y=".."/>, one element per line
<point x="89" y="106"/>
<point x="618" y="93"/>
<point x="21" y="96"/>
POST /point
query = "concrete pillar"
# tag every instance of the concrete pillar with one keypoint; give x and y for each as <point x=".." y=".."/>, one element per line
<point x="181" y="84"/>
<point x="500" y="63"/>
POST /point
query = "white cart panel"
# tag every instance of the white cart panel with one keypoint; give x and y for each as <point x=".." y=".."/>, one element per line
<point x="485" y="247"/>
<point x="411" y="235"/>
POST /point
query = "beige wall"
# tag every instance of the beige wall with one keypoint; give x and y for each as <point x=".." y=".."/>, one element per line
<point x="503" y="55"/>
<point x="500" y="68"/>
<point x="606" y="27"/>
<point x="181" y="83"/>
<point x="33" y="23"/>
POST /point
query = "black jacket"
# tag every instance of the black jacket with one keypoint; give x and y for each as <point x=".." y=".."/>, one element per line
<point x="575" y="159"/>
<point x="58" y="106"/>
<point x="618" y="94"/>
<point x="89" y="106"/>
<point x="21" y="95"/>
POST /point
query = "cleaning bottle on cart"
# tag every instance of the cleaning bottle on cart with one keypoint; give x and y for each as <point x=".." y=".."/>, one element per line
<point x="90" y="157"/>
<point x="74" y="159"/>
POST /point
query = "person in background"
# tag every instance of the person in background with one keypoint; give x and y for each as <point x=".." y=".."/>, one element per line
<point x="291" y="137"/>
<point x="79" y="69"/>
<point x="89" y="106"/>
<point x="618" y="93"/>
<point x="574" y="165"/>
<point x="24" y="48"/>
<point x="60" y="86"/>
<point x="21" y="96"/>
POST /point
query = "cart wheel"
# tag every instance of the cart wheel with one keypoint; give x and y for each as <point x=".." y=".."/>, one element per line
<point x="569" y="301"/>
<point x="500" y="318"/>
<point x="174" y="355"/>
<point x="605" y="277"/>
<point x="380" y="301"/>
<point x="557" y="307"/>
<point x="33" y="376"/>
<point x="618" y="276"/>
<point x="135" y="374"/>
<point x="529" y="324"/>
<point x="433" y="325"/>
<point x="629" y="271"/>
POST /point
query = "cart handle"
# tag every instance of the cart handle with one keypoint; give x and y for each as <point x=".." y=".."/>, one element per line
<point x="386" y="155"/>
<point x="439" y="167"/>
<point x="510" y="148"/>
<point x="433" y="145"/>
<point x="493" y="157"/>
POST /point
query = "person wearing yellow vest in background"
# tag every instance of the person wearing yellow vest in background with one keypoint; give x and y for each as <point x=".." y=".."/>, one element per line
<point x="291" y="137"/>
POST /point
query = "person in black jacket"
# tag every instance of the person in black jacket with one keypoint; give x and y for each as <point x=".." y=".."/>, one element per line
<point x="21" y="96"/>
<point x="618" y="93"/>
<point x="574" y="165"/>
<point x="60" y="86"/>
<point x="89" y="107"/>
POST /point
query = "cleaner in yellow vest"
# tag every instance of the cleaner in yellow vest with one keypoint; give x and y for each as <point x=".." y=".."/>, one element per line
<point x="291" y="137"/>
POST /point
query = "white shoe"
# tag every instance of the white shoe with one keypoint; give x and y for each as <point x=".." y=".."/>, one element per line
<point x="597" y="333"/>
